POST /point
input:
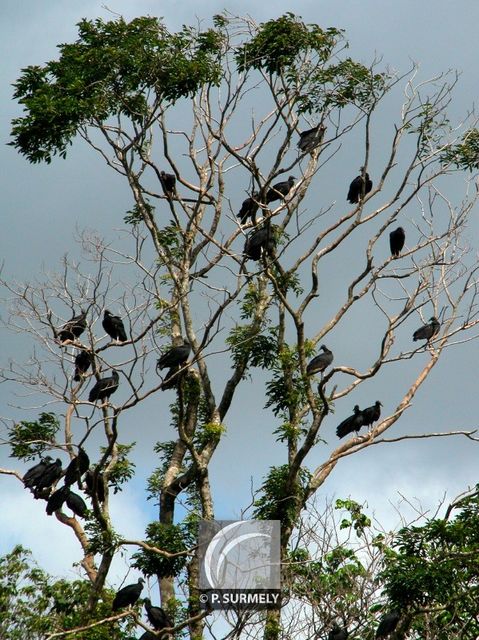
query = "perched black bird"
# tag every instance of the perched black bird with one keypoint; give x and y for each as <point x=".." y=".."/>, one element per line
<point x="104" y="387"/>
<point x="114" y="326"/>
<point x="371" y="414"/>
<point x="77" y="467"/>
<point x="100" y="485"/>
<point x="427" y="331"/>
<point x="387" y="624"/>
<point x="83" y="362"/>
<point x="249" y="209"/>
<point x="49" y="476"/>
<point x="320" y="362"/>
<point x="280" y="190"/>
<point x="73" y="328"/>
<point x="396" y="241"/>
<point x="56" y="500"/>
<point x="148" y="636"/>
<point x="76" y="504"/>
<point x="157" y="617"/>
<point x="260" y="242"/>
<point x="33" y="474"/>
<point x="312" y="138"/>
<point x="352" y="423"/>
<point x="174" y="357"/>
<point x="168" y="182"/>
<point x="359" y="187"/>
<point x="172" y="378"/>
<point x="337" y="633"/>
<point x="128" y="595"/>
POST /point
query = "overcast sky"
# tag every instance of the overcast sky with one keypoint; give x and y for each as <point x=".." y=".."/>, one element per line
<point x="44" y="206"/>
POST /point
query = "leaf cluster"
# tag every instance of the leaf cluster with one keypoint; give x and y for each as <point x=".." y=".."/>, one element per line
<point x="167" y="537"/>
<point x="31" y="439"/>
<point x="279" y="498"/>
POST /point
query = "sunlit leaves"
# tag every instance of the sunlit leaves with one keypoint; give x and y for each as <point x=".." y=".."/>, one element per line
<point x="280" y="497"/>
<point x="464" y="155"/>
<point x="30" y="439"/>
<point x="167" y="537"/>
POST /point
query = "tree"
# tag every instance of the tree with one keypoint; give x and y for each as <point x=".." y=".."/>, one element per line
<point x="122" y="88"/>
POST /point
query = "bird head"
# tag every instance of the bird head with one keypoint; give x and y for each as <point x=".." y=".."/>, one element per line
<point x="107" y="313"/>
<point x="141" y="581"/>
<point x="379" y="404"/>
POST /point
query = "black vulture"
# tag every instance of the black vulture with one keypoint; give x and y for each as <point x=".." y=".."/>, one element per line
<point x="352" y="423"/>
<point x="371" y="414"/>
<point x="49" y="476"/>
<point x="427" y="331"/>
<point x="148" y="636"/>
<point x="260" y="242"/>
<point x="100" y="485"/>
<point x="312" y="138"/>
<point x="104" y="387"/>
<point x="128" y="595"/>
<point x="172" y="378"/>
<point x="174" y="357"/>
<point x="320" y="362"/>
<point x="157" y="617"/>
<point x="337" y="633"/>
<point x="76" y="504"/>
<point x="56" y="500"/>
<point x="359" y="187"/>
<point x="249" y="209"/>
<point x="33" y="474"/>
<point x="168" y="182"/>
<point x="280" y="190"/>
<point x="396" y="241"/>
<point x="387" y="624"/>
<point x="83" y="362"/>
<point x="77" y="467"/>
<point x="114" y="327"/>
<point x="73" y="328"/>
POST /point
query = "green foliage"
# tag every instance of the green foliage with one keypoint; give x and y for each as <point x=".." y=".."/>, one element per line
<point x="31" y="439"/>
<point x="287" y="389"/>
<point x="109" y="71"/>
<point x="167" y="537"/>
<point x="33" y="604"/>
<point x="101" y="540"/>
<point x="123" y="469"/>
<point x="134" y="215"/>
<point x="280" y="42"/>
<point x="250" y="346"/>
<point x="209" y="432"/>
<point x="359" y="521"/>
<point x="464" y="155"/>
<point x="435" y="567"/>
<point x="279" y="500"/>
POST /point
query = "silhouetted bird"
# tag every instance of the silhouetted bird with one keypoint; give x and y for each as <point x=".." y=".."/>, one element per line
<point x="249" y="209"/>
<point x="280" y="190"/>
<point x="359" y="187"/>
<point x="396" y="241"/>
<point x="168" y="183"/>
<point x="174" y="357"/>
<point x="352" y="423"/>
<point x="100" y="485"/>
<point x="371" y="414"/>
<point x="172" y="378"/>
<point x="104" y="387"/>
<point x="337" y="633"/>
<point x="49" y="476"/>
<point x="312" y="138"/>
<point x="259" y="243"/>
<point x="157" y="617"/>
<point x="148" y="636"/>
<point x="56" y="500"/>
<point x="320" y="362"/>
<point x="33" y="474"/>
<point x="73" y="328"/>
<point x="114" y="327"/>
<point x="128" y="595"/>
<point x="387" y="624"/>
<point x="77" y="467"/>
<point x="427" y="331"/>
<point x="83" y="362"/>
<point x="76" y="504"/>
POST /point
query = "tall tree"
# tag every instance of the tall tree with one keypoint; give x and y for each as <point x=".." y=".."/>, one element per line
<point x="148" y="100"/>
